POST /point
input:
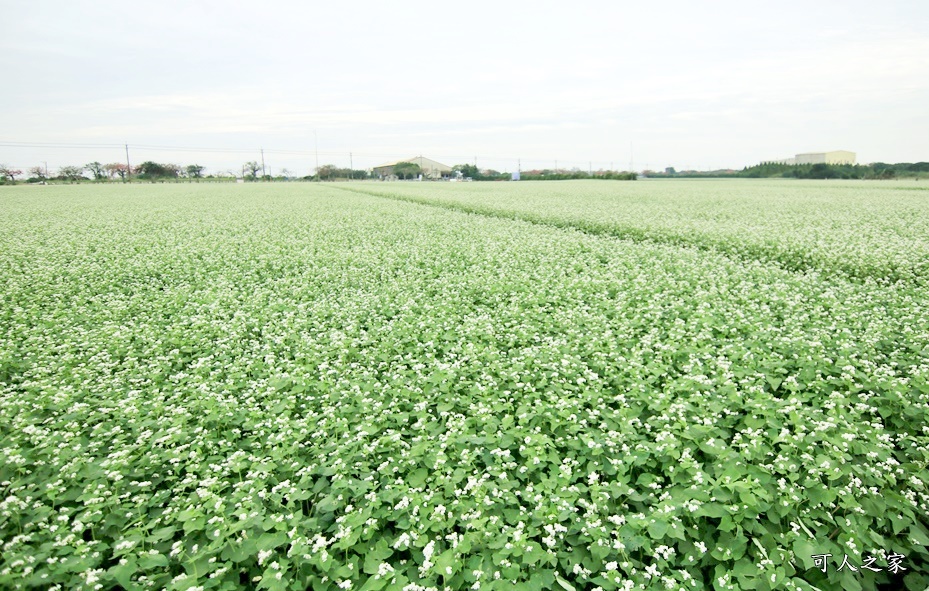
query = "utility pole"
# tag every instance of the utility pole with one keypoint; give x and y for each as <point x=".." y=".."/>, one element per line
<point x="128" y="166"/>
<point x="316" y="145"/>
<point x="590" y="168"/>
<point x="46" y="168"/>
<point x="262" y="163"/>
<point x="351" y="167"/>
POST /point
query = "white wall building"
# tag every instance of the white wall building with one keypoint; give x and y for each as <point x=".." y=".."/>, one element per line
<point x="834" y="157"/>
<point x="431" y="168"/>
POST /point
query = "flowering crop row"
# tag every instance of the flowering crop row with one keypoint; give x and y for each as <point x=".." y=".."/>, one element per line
<point x="293" y="387"/>
<point x="863" y="230"/>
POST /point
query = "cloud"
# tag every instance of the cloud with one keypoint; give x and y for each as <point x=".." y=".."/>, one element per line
<point x="211" y="75"/>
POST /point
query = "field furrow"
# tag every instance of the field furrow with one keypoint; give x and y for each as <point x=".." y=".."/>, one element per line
<point x="863" y="231"/>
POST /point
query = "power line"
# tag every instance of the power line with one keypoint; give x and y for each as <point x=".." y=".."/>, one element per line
<point x="187" y="149"/>
<point x="219" y="150"/>
<point x="55" y="145"/>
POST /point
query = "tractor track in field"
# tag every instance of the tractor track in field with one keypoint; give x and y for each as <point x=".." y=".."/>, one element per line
<point x="790" y="259"/>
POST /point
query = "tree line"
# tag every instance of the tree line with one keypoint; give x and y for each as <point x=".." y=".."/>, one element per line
<point x="158" y="171"/>
<point x="561" y="175"/>
<point x="471" y="171"/>
<point x="254" y="171"/>
<point x="103" y="172"/>
<point x="764" y="170"/>
<point x="875" y="170"/>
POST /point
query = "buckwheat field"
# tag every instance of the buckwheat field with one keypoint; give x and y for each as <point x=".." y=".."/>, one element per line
<point x="569" y="385"/>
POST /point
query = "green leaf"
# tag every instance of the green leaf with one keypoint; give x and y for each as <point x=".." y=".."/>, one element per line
<point x="657" y="529"/>
<point x="918" y="535"/>
<point x="151" y="561"/>
<point x="163" y="533"/>
<point x="417" y="478"/>
<point x="447" y="560"/>
<point x="374" y="584"/>
<point x="122" y="573"/>
<point x="916" y="582"/>
<point x="849" y="581"/>
<point x="804" y="552"/>
<point x="271" y="540"/>
<point x="715" y="510"/>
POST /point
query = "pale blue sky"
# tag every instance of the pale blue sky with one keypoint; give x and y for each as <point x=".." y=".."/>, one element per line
<point x="684" y="84"/>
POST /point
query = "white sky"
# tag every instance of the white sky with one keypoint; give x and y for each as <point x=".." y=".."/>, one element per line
<point x="677" y="83"/>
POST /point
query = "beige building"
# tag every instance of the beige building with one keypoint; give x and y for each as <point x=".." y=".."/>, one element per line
<point x="834" y="157"/>
<point x="431" y="169"/>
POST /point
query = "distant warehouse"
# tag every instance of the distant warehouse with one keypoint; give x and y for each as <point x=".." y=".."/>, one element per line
<point x="430" y="168"/>
<point x="835" y="157"/>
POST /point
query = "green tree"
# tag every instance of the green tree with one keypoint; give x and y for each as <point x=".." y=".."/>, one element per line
<point x="151" y="170"/>
<point x="252" y="168"/>
<point x="821" y="171"/>
<point x="194" y="171"/>
<point x="407" y="170"/>
<point x="327" y="171"/>
<point x="71" y="173"/>
<point x="468" y="170"/>
<point x="96" y="169"/>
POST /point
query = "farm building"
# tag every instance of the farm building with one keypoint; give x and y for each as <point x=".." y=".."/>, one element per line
<point x="834" y="157"/>
<point x="431" y="169"/>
